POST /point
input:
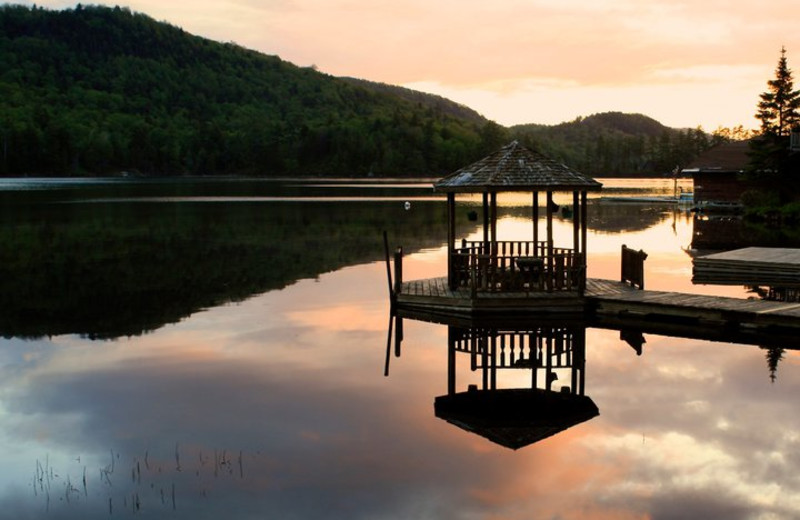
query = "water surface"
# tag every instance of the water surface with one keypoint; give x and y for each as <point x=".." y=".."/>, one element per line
<point x="215" y="349"/>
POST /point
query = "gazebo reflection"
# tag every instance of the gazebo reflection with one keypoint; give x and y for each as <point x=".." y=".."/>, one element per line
<point x="498" y="408"/>
<point x="510" y="382"/>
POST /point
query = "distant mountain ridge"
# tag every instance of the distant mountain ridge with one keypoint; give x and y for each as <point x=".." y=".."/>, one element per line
<point x="626" y="123"/>
<point x="616" y="144"/>
<point x="631" y="124"/>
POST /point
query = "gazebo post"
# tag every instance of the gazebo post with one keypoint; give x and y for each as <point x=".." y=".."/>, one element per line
<point x="535" y="222"/>
<point x="485" y="223"/>
<point x="550" y="259"/>
<point x="577" y="261"/>
<point x="493" y="218"/>
<point x="576" y="223"/>
<point x="584" y="249"/>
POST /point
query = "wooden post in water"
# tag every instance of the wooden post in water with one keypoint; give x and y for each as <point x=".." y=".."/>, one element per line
<point x="398" y="335"/>
<point x="451" y="239"/>
<point x="388" y="346"/>
<point x="392" y="293"/>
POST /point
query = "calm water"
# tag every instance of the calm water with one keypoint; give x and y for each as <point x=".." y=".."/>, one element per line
<point x="215" y="349"/>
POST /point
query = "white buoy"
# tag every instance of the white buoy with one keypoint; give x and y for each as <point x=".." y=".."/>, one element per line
<point x="407" y="205"/>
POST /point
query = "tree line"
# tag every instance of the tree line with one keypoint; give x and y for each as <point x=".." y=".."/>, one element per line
<point x="618" y="144"/>
<point x="98" y="90"/>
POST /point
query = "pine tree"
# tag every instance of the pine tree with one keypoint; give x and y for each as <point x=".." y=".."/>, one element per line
<point x="778" y="108"/>
<point x="779" y="113"/>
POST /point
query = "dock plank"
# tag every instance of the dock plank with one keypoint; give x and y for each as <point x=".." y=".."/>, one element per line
<point x="603" y="298"/>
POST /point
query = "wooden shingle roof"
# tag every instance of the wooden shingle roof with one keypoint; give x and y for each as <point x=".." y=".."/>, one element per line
<point x="516" y="168"/>
<point x="732" y="156"/>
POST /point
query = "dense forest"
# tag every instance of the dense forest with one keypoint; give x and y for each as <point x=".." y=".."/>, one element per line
<point x="101" y="90"/>
<point x="619" y="144"/>
<point x="98" y="91"/>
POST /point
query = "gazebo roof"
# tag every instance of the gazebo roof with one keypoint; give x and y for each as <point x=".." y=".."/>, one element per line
<point x="516" y="168"/>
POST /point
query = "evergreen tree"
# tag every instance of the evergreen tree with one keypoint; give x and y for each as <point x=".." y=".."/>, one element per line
<point x="779" y="105"/>
<point x="779" y="113"/>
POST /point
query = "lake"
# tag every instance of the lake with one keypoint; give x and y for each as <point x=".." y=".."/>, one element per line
<point x="216" y="349"/>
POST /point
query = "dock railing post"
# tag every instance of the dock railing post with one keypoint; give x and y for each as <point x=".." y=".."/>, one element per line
<point x="632" y="268"/>
<point x="623" y="276"/>
<point x="398" y="270"/>
<point x="473" y="274"/>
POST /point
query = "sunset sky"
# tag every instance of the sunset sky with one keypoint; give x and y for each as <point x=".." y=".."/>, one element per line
<point x="683" y="62"/>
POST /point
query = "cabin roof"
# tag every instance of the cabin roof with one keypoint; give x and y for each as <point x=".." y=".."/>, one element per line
<point x="516" y="168"/>
<point x="725" y="157"/>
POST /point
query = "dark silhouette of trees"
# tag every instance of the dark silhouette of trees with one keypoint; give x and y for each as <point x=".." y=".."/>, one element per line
<point x="779" y="105"/>
<point x="778" y="113"/>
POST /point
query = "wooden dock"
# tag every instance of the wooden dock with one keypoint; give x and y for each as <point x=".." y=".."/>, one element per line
<point x="612" y="304"/>
<point x="433" y="295"/>
<point x="692" y="315"/>
<point x="750" y="266"/>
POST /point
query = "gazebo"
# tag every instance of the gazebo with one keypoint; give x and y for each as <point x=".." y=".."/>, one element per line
<point x="494" y="265"/>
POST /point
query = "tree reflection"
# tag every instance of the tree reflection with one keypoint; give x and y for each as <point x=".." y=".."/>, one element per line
<point x="774" y="356"/>
<point x="115" y="268"/>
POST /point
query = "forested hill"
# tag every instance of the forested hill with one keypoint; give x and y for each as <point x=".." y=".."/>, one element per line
<point x="614" y="143"/>
<point x="435" y="102"/>
<point x="96" y="90"/>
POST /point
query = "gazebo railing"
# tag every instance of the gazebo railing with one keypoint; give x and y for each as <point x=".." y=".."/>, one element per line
<point x="510" y="248"/>
<point x="517" y="266"/>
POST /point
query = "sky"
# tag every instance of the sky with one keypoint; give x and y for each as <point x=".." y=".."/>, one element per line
<point x="686" y="63"/>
